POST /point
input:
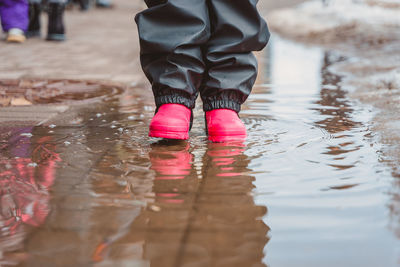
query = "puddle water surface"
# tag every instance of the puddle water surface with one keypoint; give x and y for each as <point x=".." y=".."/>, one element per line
<point x="307" y="188"/>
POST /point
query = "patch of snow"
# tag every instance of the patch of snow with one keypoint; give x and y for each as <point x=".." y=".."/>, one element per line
<point x="338" y="20"/>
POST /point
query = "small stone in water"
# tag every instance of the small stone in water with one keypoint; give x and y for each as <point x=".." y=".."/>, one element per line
<point x="52" y="126"/>
<point x="131" y="118"/>
<point x="155" y="208"/>
<point x="98" y="115"/>
<point x="67" y="143"/>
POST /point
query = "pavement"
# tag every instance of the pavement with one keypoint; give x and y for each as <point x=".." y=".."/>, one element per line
<point x="102" y="45"/>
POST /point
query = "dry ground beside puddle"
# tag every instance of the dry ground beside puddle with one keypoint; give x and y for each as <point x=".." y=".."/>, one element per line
<point x="102" y="45"/>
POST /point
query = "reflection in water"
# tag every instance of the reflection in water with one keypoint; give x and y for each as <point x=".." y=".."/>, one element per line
<point x="333" y="103"/>
<point x="150" y="206"/>
<point x="318" y="171"/>
<point x="27" y="168"/>
<point x="207" y="222"/>
<point x="118" y="199"/>
<point x="171" y="162"/>
<point x="337" y="112"/>
<point x="225" y="227"/>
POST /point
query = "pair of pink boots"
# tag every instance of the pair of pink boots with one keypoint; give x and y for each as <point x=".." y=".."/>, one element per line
<point x="172" y="121"/>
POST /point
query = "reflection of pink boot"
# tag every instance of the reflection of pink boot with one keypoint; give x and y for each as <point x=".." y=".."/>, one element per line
<point x="224" y="125"/>
<point x="171" y="162"/>
<point x="172" y="121"/>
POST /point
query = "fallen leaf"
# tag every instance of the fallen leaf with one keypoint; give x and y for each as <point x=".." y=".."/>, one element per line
<point x="20" y="101"/>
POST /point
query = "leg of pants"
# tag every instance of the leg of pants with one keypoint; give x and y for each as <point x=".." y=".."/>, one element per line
<point x="14" y="14"/>
<point x="237" y="29"/>
<point x="189" y="46"/>
<point x="171" y="34"/>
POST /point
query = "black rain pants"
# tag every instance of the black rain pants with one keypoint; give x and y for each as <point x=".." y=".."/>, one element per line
<point x="201" y="46"/>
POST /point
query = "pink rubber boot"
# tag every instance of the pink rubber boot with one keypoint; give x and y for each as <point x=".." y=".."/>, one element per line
<point x="172" y="121"/>
<point x="225" y="125"/>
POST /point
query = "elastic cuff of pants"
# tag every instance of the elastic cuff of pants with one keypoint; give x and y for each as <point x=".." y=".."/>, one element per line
<point x="221" y="104"/>
<point x="174" y="99"/>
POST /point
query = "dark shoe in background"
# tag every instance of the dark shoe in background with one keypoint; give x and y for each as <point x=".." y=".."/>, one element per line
<point x="104" y="4"/>
<point x="84" y="5"/>
<point x="34" y="20"/>
<point x="56" y="31"/>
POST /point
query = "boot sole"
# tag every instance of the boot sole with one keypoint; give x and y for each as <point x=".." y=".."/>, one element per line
<point x="56" y="37"/>
<point x="169" y="135"/>
<point x="33" y="34"/>
<point x="226" y="138"/>
<point x="16" y="39"/>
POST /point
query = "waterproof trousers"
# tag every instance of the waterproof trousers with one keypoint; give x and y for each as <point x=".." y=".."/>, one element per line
<point x="201" y="46"/>
<point x="14" y="14"/>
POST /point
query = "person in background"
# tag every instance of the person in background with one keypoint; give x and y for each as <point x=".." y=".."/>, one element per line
<point x="14" y="19"/>
<point x="55" y="10"/>
<point x="27" y="172"/>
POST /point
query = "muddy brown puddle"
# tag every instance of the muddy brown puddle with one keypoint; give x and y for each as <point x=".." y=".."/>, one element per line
<point x="307" y="188"/>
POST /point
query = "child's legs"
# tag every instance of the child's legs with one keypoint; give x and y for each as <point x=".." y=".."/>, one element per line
<point x="237" y="30"/>
<point x="171" y="35"/>
<point x="14" y="14"/>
